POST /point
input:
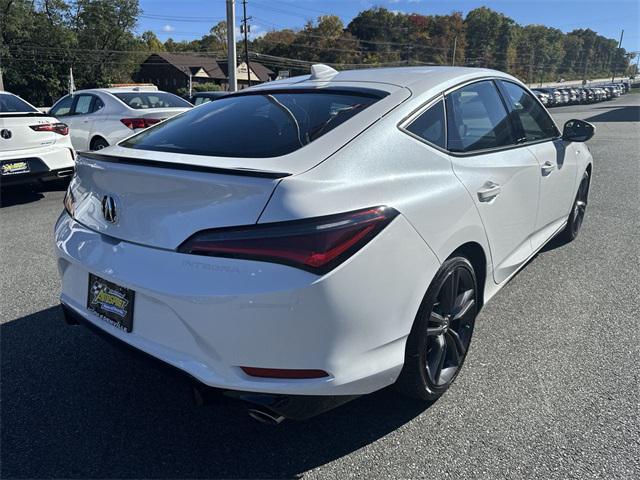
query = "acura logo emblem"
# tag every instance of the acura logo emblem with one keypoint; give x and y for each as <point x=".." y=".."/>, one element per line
<point x="109" y="209"/>
<point x="6" y="134"/>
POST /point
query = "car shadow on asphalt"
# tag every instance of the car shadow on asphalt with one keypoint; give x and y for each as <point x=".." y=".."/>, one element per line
<point x="627" y="113"/>
<point x="74" y="406"/>
<point x="21" y="194"/>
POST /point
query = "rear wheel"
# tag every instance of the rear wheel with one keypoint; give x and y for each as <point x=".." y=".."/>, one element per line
<point x="441" y="334"/>
<point x="578" y="210"/>
<point x="99" y="143"/>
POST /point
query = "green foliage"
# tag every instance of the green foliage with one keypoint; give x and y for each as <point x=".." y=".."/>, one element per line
<point x="42" y="39"/>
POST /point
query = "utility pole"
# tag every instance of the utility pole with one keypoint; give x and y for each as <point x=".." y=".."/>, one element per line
<point x="613" y="66"/>
<point x="245" y="30"/>
<point x="231" y="45"/>
<point x="529" y="82"/>
<point x="455" y="44"/>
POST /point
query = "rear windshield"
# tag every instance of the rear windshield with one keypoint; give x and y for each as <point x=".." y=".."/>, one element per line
<point x="143" y="100"/>
<point x="260" y="125"/>
<point x="11" y="103"/>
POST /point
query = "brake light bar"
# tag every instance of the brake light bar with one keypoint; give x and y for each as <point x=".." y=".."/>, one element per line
<point x="59" y="128"/>
<point x="317" y="245"/>
<point x="139" y="122"/>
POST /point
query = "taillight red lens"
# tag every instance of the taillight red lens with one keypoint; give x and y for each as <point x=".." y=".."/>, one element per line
<point x="59" y="128"/>
<point x="317" y="245"/>
<point x="139" y="122"/>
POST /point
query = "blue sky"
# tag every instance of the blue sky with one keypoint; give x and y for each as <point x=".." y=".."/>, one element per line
<point x="190" y="19"/>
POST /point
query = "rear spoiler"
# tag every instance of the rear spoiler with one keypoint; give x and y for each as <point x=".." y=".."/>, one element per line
<point x="23" y="114"/>
<point x="239" y="171"/>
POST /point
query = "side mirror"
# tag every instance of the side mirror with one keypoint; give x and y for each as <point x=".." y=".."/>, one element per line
<point x="577" y="131"/>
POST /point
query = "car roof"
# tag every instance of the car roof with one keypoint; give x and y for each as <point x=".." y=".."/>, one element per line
<point x="120" y="90"/>
<point x="416" y="79"/>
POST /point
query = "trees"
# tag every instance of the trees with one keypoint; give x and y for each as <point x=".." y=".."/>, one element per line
<point x="42" y="40"/>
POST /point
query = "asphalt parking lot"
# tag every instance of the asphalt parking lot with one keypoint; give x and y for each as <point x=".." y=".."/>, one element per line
<point x="550" y="388"/>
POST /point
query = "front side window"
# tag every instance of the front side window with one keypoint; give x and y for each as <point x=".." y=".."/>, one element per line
<point x="536" y="122"/>
<point x="63" y="107"/>
<point x="11" y="104"/>
<point x="477" y="119"/>
<point x="257" y="125"/>
<point x="430" y="125"/>
<point x="144" y="100"/>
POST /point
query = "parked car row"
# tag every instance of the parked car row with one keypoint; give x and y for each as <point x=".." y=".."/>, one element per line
<point x="558" y="96"/>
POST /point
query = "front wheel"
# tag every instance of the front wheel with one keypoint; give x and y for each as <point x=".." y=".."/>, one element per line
<point x="441" y="334"/>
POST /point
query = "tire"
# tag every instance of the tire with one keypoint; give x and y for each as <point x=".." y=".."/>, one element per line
<point x="98" y="143"/>
<point x="441" y="334"/>
<point x="574" y="222"/>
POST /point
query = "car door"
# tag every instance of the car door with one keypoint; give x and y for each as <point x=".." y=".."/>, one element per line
<point x="501" y="177"/>
<point x="84" y="116"/>
<point x="558" y="159"/>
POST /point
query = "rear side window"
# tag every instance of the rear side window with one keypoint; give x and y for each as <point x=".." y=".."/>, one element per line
<point x="430" y="125"/>
<point x="536" y="122"/>
<point x="201" y="100"/>
<point x="477" y="119"/>
<point x="11" y="103"/>
<point x="143" y="100"/>
<point x="258" y="125"/>
<point x="83" y="104"/>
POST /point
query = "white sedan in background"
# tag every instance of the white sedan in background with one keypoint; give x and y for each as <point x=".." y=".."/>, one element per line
<point x="101" y="117"/>
<point x="313" y="239"/>
<point x="34" y="146"/>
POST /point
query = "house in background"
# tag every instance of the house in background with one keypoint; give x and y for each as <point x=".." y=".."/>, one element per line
<point x="171" y="71"/>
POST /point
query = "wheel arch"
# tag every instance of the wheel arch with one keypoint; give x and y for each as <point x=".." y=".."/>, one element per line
<point x="474" y="252"/>
<point x="96" y="137"/>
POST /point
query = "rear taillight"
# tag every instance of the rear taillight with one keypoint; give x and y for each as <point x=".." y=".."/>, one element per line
<point x="59" y="128"/>
<point x="139" y="122"/>
<point x="316" y="245"/>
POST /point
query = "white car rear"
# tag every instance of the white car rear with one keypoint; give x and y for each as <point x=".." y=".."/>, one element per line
<point x="321" y="237"/>
<point x="102" y="117"/>
<point x="33" y="146"/>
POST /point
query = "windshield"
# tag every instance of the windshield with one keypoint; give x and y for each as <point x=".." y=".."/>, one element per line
<point x="144" y="100"/>
<point x="255" y="125"/>
<point x="10" y="103"/>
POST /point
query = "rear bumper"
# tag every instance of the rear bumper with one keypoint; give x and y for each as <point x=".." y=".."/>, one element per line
<point x="45" y="164"/>
<point x="210" y="316"/>
<point x="295" y="407"/>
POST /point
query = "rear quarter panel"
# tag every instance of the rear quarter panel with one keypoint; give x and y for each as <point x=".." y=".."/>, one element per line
<point x="385" y="166"/>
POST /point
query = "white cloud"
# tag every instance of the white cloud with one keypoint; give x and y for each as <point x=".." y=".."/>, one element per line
<point x="168" y="28"/>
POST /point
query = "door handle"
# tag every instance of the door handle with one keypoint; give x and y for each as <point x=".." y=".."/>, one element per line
<point x="547" y="168"/>
<point x="489" y="191"/>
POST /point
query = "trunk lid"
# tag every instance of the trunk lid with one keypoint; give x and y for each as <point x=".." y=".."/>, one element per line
<point x="160" y="113"/>
<point x="161" y="205"/>
<point x="21" y="135"/>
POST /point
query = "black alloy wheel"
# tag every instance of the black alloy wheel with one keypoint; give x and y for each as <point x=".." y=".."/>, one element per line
<point x="99" y="143"/>
<point x="441" y="335"/>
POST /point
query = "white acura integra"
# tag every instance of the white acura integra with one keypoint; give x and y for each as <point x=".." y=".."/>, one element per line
<point x="313" y="239"/>
<point x="34" y="147"/>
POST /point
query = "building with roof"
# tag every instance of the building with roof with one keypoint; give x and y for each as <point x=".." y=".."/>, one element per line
<point x="171" y="71"/>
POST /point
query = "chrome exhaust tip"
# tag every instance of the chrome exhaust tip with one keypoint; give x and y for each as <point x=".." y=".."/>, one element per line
<point x="264" y="416"/>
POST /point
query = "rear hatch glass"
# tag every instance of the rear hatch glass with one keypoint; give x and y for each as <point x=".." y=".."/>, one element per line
<point x="256" y="125"/>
